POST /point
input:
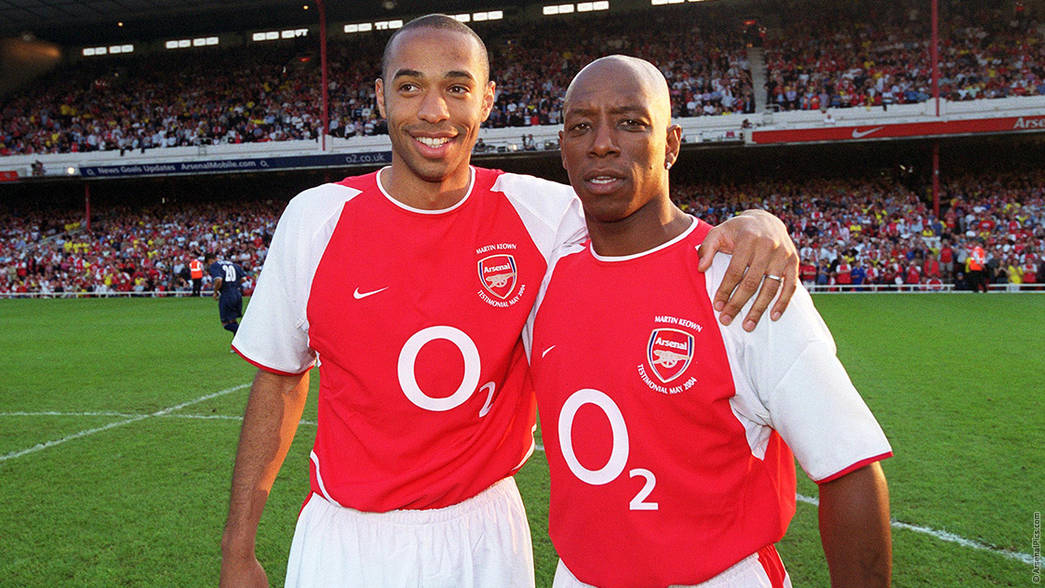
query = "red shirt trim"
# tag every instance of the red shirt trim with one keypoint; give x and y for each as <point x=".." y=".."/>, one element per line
<point x="774" y="568"/>
<point x="265" y="367"/>
<point x="855" y="466"/>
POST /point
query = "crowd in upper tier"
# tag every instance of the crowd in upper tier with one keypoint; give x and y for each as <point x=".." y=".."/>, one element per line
<point x="817" y="55"/>
<point x="834" y="55"/>
<point x="848" y="231"/>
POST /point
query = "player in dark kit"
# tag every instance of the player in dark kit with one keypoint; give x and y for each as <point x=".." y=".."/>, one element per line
<point x="227" y="278"/>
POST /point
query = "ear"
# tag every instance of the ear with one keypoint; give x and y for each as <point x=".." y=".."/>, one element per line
<point x="562" y="152"/>
<point x="673" y="144"/>
<point x="379" y="90"/>
<point x="489" y="92"/>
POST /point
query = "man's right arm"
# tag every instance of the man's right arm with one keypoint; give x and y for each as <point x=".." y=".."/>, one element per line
<point x="273" y="411"/>
<point x="855" y="529"/>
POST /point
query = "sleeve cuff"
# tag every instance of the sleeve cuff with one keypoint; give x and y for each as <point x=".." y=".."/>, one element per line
<point x="854" y="467"/>
<point x="266" y="368"/>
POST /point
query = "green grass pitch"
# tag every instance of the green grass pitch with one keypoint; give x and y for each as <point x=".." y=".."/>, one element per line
<point x="119" y="420"/>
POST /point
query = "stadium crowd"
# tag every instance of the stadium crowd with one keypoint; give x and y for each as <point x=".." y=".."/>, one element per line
<point x="130" y="250"/>
<point x="849" y="232"/>
<point x="863" y="232"/>
<point x="833" y="55"/>
<point x="272" y="92"/>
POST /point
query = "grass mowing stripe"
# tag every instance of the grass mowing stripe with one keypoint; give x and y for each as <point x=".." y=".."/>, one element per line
<point x="942" y="535"/>
<point x="68" y="414"/>
<point x="205" y="417"/>
<point x="936" y="533"/>
<point x="85" y="433"/>
<point x="952" y="379"/>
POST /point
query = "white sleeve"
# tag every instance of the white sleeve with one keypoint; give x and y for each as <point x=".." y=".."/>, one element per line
<point x="551" y="211"/>
<point x="527" y="332"/>
<point x="553" y="218"/>
<point x="788" y="378"/>
<point x="274" y="331"/>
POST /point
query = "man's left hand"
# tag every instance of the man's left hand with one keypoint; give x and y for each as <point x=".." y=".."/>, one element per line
<point x="764" y="260"/>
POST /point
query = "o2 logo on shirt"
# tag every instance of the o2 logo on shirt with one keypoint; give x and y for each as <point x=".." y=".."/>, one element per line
<point x="469" y="381"/>
<point x="669" y="352"/>
<point x="621" y="447"/>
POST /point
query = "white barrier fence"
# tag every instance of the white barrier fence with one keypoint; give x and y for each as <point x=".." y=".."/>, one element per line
<point x="918" y="288"/>
<point x="813" y="288"/>
<point x="696" y="129"/>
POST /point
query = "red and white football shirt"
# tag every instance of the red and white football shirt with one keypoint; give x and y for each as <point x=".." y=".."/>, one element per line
<point x="665" y="432"/>
<point x="414" y="318"/>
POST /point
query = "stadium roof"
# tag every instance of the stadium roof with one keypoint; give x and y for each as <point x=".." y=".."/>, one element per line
<point x="74" y="22"/>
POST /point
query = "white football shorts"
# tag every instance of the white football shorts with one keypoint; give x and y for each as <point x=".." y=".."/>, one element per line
<point x="750" y="572"/>
<point x="481" y="542"/>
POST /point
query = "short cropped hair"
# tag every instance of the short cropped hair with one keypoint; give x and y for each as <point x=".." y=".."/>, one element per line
<point x="442" y="22"/>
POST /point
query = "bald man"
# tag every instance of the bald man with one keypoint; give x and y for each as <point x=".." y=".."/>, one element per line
<point x="669" y="436"/>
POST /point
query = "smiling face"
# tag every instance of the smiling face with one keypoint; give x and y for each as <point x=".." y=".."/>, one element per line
<point x="617" y="136"/>
<point x="435" y="94"/>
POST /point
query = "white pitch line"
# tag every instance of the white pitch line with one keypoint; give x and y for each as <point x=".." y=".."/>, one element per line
<point x="127" y="421"/>
<point x="205" y="417"/>
<point x="68" y="414"/>
<point x="943" y="536"/>
<point x="936" y="533"/>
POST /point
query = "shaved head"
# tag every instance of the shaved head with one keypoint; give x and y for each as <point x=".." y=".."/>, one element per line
<point x="625" y="70"/>
<point x="618" y="144"/>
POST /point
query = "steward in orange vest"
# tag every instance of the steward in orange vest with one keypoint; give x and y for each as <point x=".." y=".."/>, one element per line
<point x="196" y="273"/>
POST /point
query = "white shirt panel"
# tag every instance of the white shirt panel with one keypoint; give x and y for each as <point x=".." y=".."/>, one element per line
<point x="527" y="334"/>
<point x="274" y="333"/>
<point x="788" y="377"/>
<point x="538" y="202"/>
<point x="551" y="211"/>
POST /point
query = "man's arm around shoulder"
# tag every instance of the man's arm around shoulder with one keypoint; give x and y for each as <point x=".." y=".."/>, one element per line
<point x="854" y="529"/>
<point x="269" y="423"/>
<point x="761" y="246"/>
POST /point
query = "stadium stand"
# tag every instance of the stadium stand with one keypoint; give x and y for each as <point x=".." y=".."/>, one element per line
<point x="813" y="56"/>
<point x="130" y="250"/>
<point x="821" y="55"/>
<point x="833" y="55"/>
<point x="877" y="231"/>
<point x="877" y="227"/>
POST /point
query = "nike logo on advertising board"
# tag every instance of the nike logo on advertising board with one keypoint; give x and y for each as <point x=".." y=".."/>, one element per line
<point x="361" y="295"/>
<point x="858" y="134"/>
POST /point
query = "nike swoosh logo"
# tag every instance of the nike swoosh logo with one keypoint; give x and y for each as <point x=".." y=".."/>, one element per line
<point x="858" y="134"/>
<point x="361" y="295"/>
<point x="546" y="351"/>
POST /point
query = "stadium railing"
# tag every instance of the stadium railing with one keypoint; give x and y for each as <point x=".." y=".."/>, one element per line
<point x="813" y="288"/>
<point x="506" y="140"/>
<point x="917" y="288"/>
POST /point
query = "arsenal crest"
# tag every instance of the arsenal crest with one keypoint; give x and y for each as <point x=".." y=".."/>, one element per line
<point x="669" y="353"/>
<point x="498" y="274"/>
